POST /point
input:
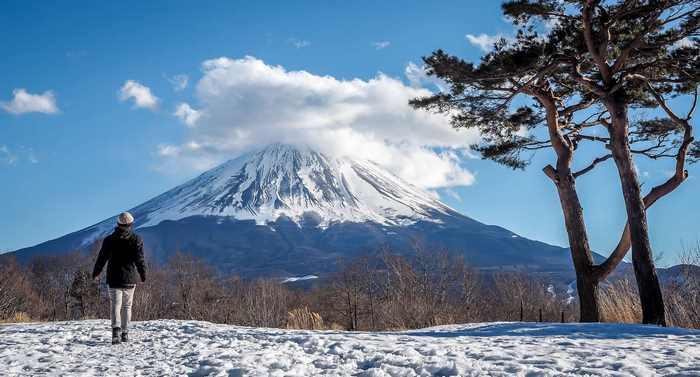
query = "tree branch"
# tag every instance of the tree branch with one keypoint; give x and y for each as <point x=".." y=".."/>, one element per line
<point x="592" y="165"/>
<point x="593" y="138"/>
<point x="590" y="44"/>
<point x="589" y="84"/>
<point x="577" y="107"/>
<point x="636" y="42"/>
<point x="692" y="107"/>
<point x="660" y="100"/>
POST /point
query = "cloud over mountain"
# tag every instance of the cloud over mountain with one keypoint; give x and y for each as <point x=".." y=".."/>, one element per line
<point x="246" y="103"/>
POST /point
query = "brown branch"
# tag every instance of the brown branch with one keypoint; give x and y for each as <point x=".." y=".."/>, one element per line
<point x="576" y="107"/>
<point x="589" y="84"/>
<point x="561" y="146"/>
<point x="636" y="42"/>
<point x="587" y="121"/>
<point x="550" y="172"/>
<point x="592" y="165"/>
<point x="525" y="87"/>
<point x="590" y="44"/>
<point x="536" y="145"/>
<point x="593" y="138"/>
<point x="692" y="107"/>
<point x="660" y="100"/>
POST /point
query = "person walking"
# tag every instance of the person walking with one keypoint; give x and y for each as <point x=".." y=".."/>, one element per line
<point x="122" y="251"/>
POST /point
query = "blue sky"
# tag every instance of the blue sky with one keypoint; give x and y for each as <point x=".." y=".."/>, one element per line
<point x="95" y="154"/>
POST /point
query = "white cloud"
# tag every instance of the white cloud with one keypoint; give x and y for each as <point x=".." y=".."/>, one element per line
<point x="6" y="155"/>
<point x="31" y="156"/>
<point x="15" y="155"/>
<point x="453" y="194"/>
<point x="419" y="78"/>
<point x="140" y="94"/>
<point x="179" y="82"/>
<point x="249" y="104"/>
<point x="187" y="114"/>
<point x="167" y="150"/>
<point x="484" y="41"/>
<point x="381" y="45"/>
<point x="298" y="43"/>
<point x="25" y="102"/>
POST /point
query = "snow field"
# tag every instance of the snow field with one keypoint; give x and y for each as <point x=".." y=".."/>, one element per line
<point x="191" y="348"/>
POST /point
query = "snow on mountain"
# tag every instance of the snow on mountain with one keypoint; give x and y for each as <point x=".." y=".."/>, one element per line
<point x="287" y="211"/>
<point x="299" y="278"/>
<point x="294" y="181"/>
<point x="179" y="348"/>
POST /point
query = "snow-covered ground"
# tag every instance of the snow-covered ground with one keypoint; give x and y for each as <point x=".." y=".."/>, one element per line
<point x="170" y="348"/>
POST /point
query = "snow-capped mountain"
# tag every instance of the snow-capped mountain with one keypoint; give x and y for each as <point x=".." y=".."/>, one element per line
<point x="293" y="181"/>
<point x="290" y="210"/>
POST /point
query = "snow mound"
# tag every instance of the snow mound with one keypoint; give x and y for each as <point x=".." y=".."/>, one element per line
<point x="169" y="348"/>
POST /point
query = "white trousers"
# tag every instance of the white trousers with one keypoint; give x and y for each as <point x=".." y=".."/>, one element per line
<point x="120" y="313"/>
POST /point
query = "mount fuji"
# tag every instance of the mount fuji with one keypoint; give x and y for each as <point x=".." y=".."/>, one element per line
<point x="291" y="211"/>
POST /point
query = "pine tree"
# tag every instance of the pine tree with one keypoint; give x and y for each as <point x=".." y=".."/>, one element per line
<point x="574" y="67"/>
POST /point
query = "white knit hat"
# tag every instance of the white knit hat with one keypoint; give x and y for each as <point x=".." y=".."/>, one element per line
<point x="125" y="219"/>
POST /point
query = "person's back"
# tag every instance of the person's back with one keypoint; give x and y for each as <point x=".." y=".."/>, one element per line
<point x="122" y="251"/>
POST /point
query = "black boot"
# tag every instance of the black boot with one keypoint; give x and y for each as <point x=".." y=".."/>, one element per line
<point x="115" y="335"/>
<point x="125" y="336"/>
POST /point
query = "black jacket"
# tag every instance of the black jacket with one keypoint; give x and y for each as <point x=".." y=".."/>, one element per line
<point x="123" y="252"/>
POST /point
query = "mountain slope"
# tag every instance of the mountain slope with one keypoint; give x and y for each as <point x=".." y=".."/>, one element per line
<point x="288" y="210"/>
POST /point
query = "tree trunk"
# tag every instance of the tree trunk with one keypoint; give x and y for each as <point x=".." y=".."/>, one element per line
<point x="647" y="280"/>
<point x="563" y="178"/>
<point x="586" y="282"/>
<point x="522" y="309"/>
<point x="588" y="298"/>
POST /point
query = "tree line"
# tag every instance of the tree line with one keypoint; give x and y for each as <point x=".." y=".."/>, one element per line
<point x="383" y="291"/>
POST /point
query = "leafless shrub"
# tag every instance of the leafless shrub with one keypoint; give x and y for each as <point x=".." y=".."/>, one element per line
<point x="389" y="291"/>
<point x="16" y="294"/>
<point x="379" y="292"/>
<point x="52" y="278"/>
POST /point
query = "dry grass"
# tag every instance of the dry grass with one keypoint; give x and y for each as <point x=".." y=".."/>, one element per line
<point x="619" y="302"/>
<point x="304" y="319"/>
<point x="18" y="317"/>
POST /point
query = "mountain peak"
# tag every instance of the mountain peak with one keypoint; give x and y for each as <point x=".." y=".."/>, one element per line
<point x="282" y="148"/>
<point x="294" y="181"/>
